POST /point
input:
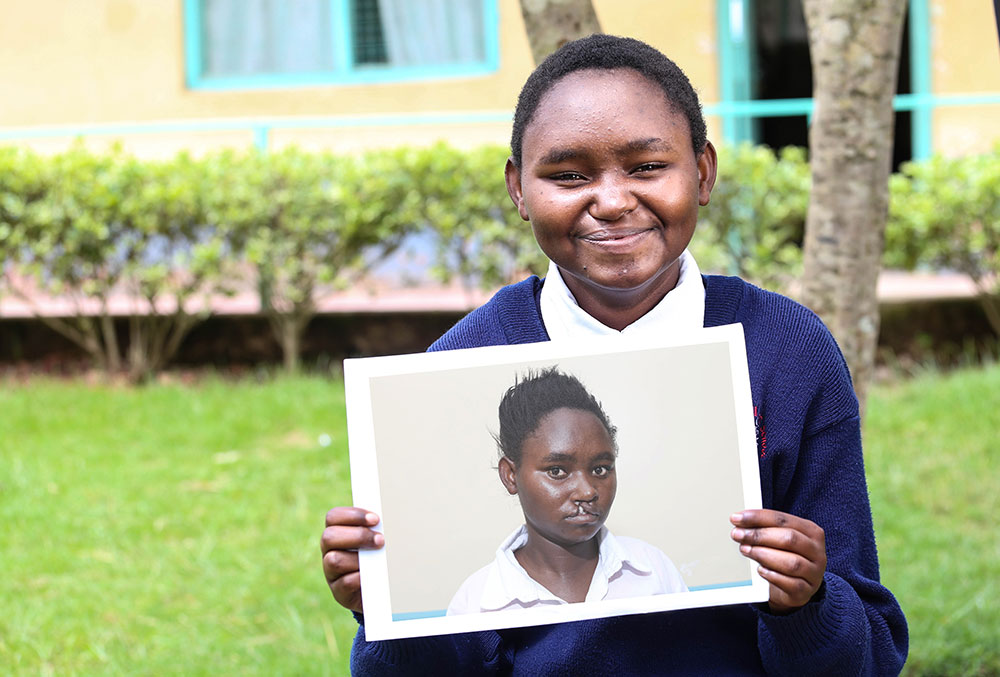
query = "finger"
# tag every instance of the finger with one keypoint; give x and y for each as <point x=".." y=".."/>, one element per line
<point x="785" y="563"/>
<point x="775" y="518"/>
<point x="782" y="538"/>
<point x="347" y="591"/>
<point x="786" y="592"/>
<point x="350" y="538"/>
<point x="339" y="563"/>
<point x="351" y="516"/>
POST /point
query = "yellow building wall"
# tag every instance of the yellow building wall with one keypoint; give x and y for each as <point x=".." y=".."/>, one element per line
<point x="108" y="62"/>
<point x="965" y="59"/>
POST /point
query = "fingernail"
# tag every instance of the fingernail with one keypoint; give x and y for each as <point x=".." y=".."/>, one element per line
<point x="736" y="517"/>
<point x="737" y="534"/>
<point x="379" y="540"/>
<point x="762" y="571"/>
<point x="745" y="549"/>
<point x="371" y="518"/>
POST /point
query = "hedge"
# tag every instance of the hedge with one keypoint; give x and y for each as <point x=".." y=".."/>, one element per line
<point x="296" y="225"/>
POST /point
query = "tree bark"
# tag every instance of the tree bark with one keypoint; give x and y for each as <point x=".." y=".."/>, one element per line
<point x="550" y="24"/>
<point x="854" y="46"/>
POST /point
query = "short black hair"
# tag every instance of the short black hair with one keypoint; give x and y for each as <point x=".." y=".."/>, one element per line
<point x="609" y="52"/>
<point x="535" y="395"/>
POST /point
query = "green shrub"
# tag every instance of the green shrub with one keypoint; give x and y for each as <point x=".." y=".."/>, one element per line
<point x="86" y="226"/>
<point x="945" y="213"/>
<point x="480" y="237"/>
<point x="754" y="224"/>
<point x="89" y="227"/>
<point x="307" y="223"/>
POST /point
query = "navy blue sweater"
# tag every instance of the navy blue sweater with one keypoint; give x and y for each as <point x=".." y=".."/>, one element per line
<point x="809" y="445"/>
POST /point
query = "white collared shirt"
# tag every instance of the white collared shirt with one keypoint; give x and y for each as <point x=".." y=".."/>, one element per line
<point x="626" y="567"/>
<point x="682" y="308"/>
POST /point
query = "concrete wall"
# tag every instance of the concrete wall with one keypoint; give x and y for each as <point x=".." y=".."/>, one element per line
<point x="965" y="59"/>
<point x="108" y="62"/>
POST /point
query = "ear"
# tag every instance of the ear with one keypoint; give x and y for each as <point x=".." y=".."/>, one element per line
<point x="708" y="167"/>
<point x="512" y="175"/>
<point x="508" y="475"/>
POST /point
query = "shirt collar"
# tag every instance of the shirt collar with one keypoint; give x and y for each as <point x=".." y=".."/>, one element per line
<point x="682" y="308"/>
<point x="508" y="582"/>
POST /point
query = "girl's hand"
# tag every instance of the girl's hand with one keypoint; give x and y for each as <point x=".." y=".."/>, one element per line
<point x="790" y="550"/>
<point x="347" y="530"/>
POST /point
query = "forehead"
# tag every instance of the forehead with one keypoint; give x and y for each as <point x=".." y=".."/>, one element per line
<point x="599" y="102"/>
<point x="567" y="430"/>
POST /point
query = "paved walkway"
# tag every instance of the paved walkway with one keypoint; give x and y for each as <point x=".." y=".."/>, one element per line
<point x="373" y="297"/>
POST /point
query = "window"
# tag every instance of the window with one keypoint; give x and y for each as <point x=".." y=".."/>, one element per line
<point x="247" y="44"/>
<point x="766" y="76"/>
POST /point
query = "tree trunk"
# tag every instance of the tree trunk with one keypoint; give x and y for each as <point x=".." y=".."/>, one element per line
<point x="291" y="348"/>
<point x="854" y="46"/>
<point x="550" y="24"/>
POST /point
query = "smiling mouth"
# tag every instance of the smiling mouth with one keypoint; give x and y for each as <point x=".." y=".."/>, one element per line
<point x="615" y="239"/>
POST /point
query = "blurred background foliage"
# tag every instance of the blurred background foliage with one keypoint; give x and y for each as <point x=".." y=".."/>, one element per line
<point x="945" y="214"/>
<point x="295" y="225"/>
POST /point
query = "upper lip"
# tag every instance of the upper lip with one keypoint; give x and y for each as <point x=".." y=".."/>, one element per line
<point x="583" y="510"/>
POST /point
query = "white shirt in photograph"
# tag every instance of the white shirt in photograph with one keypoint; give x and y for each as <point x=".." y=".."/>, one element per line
<point x="626" y="567"/>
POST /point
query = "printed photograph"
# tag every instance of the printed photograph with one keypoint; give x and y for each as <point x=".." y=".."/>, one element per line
<point x="524" y="485"/>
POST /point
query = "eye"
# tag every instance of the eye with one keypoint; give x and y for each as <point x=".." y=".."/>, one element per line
<point x="568" y="177"/>
<point x="647" y="167"/>
<point x="603" y="470"/>
<point x="556" y="472"/>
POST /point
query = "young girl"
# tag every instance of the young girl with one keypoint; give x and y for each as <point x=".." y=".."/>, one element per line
<point x="557" y="455"/>
<point x="610" y="162"/>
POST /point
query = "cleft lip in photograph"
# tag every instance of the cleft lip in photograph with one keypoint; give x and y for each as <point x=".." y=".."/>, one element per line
<point x="549" y="482"/>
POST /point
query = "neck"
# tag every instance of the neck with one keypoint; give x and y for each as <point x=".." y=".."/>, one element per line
<point x="548" y="562"/>
<point x="618" y="308"/>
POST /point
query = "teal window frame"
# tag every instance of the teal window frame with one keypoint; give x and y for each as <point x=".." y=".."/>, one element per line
<point x="738" y="109"/>
<point x="346" y="73"/>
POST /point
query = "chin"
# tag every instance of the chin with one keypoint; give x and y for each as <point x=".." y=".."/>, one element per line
<point x="628" y="280"/>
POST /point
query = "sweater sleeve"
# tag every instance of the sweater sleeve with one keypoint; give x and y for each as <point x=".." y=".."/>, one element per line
<point x="854" y="626"/>
<point x="475" y="653"/>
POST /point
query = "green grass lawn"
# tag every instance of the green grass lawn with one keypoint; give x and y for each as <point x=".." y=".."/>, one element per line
<point x="933" y="460"/>
<point x="170" y="529"/>
<point x="174" y="529"/>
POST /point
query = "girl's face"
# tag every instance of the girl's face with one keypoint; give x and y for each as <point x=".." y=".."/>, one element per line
<point x="611" y="185"/>
<point x="566" y="478"/>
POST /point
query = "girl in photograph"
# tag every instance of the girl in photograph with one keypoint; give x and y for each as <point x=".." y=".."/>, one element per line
<point x="557" y="455"/>
<point x="610" y="163"/>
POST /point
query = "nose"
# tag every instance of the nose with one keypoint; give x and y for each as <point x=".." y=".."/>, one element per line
<point x="584" y="490"/>
<point x="612" y="198"/>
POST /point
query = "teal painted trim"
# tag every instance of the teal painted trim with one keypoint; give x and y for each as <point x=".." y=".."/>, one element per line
<point x="399" y="120"/>
<point x="342" y="37"/>
<point x="260" y="137"/>
<point x="361" y="75"/>
<point x="413" y="615"/>
<point x="735" y="50"/>
<point x="716" y="586"/>
<point x="920" y="78"/>
<point x="918" y="101"/>
<point x="763" y="108"/>
<point x="491" y="32"/>
<point x="192" y="43"/>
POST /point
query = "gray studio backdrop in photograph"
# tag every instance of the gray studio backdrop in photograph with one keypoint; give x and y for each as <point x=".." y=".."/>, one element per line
<point x="445" y="511"/>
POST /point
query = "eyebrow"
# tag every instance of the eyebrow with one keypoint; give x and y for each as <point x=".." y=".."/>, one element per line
<point x="559" y="155"/>
<point x="563" y="458"/>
